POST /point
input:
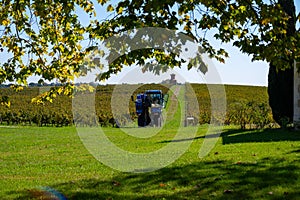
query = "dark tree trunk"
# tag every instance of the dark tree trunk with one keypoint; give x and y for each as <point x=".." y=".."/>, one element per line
<point x="280" y="89"/>
<point x="281" y="83"/>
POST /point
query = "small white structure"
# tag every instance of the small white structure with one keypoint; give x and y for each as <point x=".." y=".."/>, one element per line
<point x="296" y="117"/>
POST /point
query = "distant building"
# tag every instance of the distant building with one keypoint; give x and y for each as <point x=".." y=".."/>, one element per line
<point x="171" y="81"/>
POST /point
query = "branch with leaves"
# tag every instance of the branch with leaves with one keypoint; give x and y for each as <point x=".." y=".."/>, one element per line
<point x="44" y="38"/>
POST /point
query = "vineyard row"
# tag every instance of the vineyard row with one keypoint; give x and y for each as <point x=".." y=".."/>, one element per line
<point x="246" y="105"/>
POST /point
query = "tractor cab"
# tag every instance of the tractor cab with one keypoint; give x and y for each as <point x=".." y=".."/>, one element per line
<point x="153" y="99"/>
<point x="155" y="96"/>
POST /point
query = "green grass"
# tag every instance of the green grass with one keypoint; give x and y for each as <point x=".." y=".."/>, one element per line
<point x="243" y="165"/>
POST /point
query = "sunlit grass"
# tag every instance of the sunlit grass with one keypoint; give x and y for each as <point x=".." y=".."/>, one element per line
<point x="243" y="165"/>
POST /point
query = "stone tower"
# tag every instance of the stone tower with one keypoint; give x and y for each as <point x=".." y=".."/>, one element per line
<point x="173" y="80"/>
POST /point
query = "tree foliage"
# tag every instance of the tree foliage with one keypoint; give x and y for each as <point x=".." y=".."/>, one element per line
<point x="257" y="27"/>
<point x="44" y="38"/>
<point x="41" y="38"/>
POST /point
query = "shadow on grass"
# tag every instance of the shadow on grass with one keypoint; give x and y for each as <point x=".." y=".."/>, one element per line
<point x="219" y="179"/>
<point x="183" y="140"/>
<point x="244" y="136"/>
<point x="268" y="135"/>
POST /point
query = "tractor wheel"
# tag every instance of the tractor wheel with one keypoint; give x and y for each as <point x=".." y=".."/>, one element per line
<point x="159" y="122"/>
<point x="144" y="120"/>
<point x="141" y="121"/>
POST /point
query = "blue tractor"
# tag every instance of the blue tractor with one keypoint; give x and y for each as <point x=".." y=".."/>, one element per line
<point x="149" y="107"/>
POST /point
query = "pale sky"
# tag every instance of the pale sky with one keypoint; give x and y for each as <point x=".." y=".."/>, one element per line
<point x="238" y="69"/>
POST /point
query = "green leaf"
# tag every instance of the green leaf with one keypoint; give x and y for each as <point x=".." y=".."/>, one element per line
<point x="110" y="8"/>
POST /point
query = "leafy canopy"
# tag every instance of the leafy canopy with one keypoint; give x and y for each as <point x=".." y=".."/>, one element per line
<point x="257" y="27"/>
<point x="44" y="37"/>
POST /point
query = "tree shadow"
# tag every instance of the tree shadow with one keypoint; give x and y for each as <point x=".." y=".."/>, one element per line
<point x="232" y="136"/>
<point x="182" y="140"/>
<point x="267" y="135"/>
<point x="219" y="179"/>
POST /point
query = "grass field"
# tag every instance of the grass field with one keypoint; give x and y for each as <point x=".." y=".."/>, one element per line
<point x="252" y="164"/>
<point x="243" y="165"/>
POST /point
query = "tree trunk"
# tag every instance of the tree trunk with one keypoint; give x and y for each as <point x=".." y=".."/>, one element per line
<point x="281" y="83"/>
<point x="280" y="89"/>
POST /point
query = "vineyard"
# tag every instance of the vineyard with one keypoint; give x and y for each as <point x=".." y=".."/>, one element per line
<point x="246" y="105"/>
<point x="59" y="113"/>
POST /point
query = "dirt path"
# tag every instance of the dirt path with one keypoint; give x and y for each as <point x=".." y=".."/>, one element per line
<point x="173" y="102"/>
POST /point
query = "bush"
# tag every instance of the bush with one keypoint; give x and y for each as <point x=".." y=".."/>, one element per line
<point x="249" y="114"/>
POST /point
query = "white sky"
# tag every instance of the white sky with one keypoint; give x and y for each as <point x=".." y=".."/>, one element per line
<point x="238" y="69"/>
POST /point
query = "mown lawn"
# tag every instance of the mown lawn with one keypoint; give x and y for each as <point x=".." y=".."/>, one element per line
<point x="243" y="165"/>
